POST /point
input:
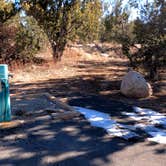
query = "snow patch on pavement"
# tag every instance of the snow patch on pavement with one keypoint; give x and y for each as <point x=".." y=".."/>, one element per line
<point x="153" y="117"/>
<point x="150" y="117"/>
<point x="157" y="135"/>
<point x="103" y="120"/>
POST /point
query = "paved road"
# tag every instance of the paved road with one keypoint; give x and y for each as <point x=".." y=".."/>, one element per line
<point x="76" y="143"/>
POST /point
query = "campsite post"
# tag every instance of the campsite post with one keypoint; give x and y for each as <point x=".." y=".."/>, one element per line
<point x="5" y="110"/>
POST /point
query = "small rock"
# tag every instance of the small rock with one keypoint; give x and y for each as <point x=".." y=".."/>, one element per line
<point x="104" y="55"/>
<point x="134" y="85"/>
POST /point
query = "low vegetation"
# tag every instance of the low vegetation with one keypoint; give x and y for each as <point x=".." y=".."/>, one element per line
<point x="30" y="26"/>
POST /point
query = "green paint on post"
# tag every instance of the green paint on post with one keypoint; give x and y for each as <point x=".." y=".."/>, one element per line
<point x="5" y="110"/>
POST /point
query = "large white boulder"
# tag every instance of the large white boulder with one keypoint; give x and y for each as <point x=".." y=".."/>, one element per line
<point x="134" y="85"/>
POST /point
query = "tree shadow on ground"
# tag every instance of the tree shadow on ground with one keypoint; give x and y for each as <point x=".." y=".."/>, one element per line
<point x="59" y="143"/>
<point x="97" y="79"/>
<point x="72" y="142"/>
<point x="109" y="83"/>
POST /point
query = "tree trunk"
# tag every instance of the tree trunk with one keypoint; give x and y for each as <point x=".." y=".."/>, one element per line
<point x="57" y="54"/>
<point x="153" y="73"/>
<point x="126" y="52"/>
<point x="57" y="51"/>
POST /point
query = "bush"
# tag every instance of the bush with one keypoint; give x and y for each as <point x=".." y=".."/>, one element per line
<point x="20" y="40"/>
<point x="148" y="31"/>
<point x="29" y="39"/>
<point x="7" y="43"/>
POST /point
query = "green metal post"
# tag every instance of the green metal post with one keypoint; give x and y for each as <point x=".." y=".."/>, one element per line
<point x="5" y="110"/>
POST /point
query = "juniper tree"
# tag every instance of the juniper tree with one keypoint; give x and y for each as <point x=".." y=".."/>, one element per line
<point x="63" y="19"/>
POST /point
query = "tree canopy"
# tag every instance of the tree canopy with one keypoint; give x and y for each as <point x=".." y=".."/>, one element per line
<point x="148" y="30"/>
<point x="63" y="19"/>
<point x="7" y="10"/>
<point x="60" y="21"/>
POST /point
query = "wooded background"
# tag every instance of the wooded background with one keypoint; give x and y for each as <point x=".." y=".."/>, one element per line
<point x="28" y="26"/>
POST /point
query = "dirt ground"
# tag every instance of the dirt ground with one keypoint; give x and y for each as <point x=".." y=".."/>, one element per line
<point x="85" y="70"/>
<point x="88" y="78"/>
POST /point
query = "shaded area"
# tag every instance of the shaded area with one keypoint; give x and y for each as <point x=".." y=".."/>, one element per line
<point x="60" y="143"/>
<point x="82" y="88"/>
<point x="75" y="142"/>
<point x="72" y="142"/>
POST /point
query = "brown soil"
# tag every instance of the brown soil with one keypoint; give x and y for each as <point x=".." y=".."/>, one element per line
<point x="42" y="141"/>
<point x="83" y="70"/>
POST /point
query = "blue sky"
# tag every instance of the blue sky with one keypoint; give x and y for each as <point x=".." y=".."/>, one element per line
<point x="134" y="12"/>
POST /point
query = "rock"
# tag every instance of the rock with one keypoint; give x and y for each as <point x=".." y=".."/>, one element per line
<point x="91" y="45"/>
<point x="134" y="85"/>
<point x="104" y="55"/>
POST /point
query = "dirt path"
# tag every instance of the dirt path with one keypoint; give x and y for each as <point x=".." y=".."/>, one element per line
<point x="84" y="71"/>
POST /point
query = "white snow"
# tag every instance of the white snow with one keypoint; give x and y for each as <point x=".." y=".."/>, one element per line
<point x="151" y="118"/>
<point x="103" y="120"/>
<point x="133" y="115"/>
<point x="149" y="115"/>
<point x="157" y="135"/>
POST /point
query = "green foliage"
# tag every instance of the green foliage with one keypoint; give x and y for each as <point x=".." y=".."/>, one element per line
<point x="60" y="20"/>
<point x="148" y="31"/>
<point x="7" y="43"/>
<point x="63" y="20"/>
<point x="7" y="46"/>
<point x="55" y="18"/>
<point x="116" y="23"/>
<point x="29" y="39"/>
<point x="7" y="10"/>
<point x="20" y="39"/>
<point x="91" y="12"/>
